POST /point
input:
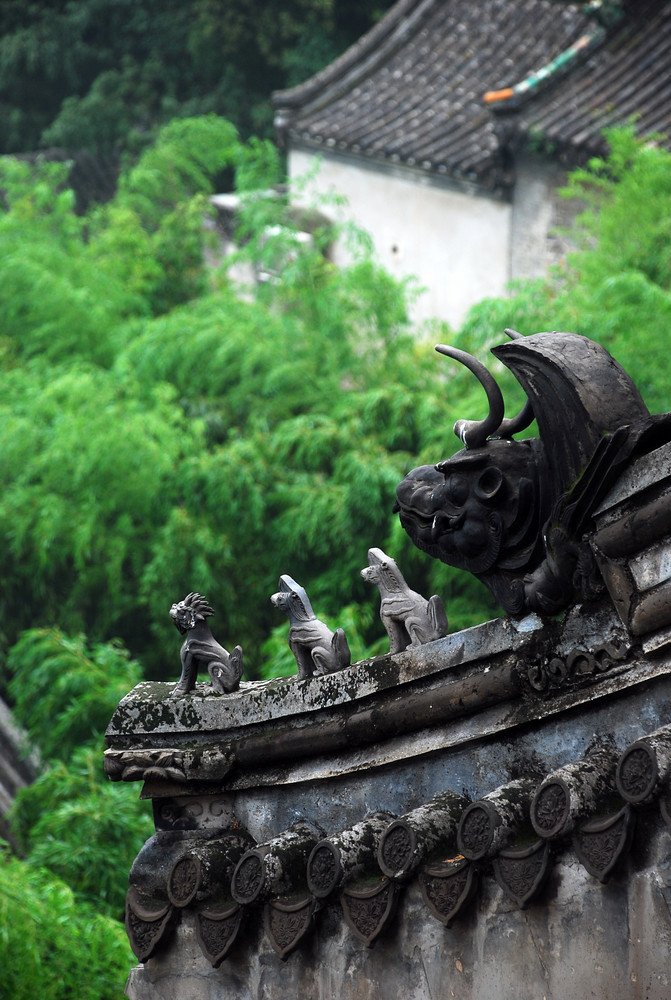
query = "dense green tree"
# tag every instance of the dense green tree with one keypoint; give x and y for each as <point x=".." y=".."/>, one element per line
<point x="62" y="904"/>
<point x="53" y="946"/>
<point x="104" y="74"/>
<point x="71" y="821"/>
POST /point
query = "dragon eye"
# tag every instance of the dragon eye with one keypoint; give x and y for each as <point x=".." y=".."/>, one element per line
<point x="456" y="490"/>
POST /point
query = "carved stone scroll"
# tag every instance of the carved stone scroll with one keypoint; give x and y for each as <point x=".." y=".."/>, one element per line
<point x="193" y="813"/>
<point x="447" y="887"/>
<point x="489" y="824"/>
<point x="522" y="872"/>
<point x="287" y="922"/>
<point x="426" y="832"/>
<point x="369" y="911"/>
<point x="577" y="667"/>
<point x="276" y="868"/>
<point x="644" y="767"/>
<point x="216" y="929"/>
<point x="572" y="793"/>
<point x="346" y="856"/>
<point x="601" y="843"/>
<point x="206" y="870"/>
<point x="138" y="765"/>
<point x="208" y="763"/>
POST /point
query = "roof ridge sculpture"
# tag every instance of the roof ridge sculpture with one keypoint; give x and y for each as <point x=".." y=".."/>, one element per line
<point x="516" y="513"/>
<point x="463" y="769"/>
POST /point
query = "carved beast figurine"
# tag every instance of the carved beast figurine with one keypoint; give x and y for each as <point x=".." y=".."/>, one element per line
<point x="410" y="620"/>
<point x="317" y="649"/>
<point x="201" y="649"/>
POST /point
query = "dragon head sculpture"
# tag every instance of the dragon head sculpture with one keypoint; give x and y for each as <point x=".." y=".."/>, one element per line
<point x="513" y="512"/>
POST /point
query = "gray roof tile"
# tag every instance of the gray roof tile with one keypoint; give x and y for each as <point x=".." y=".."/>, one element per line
<point x="412" y="90"/>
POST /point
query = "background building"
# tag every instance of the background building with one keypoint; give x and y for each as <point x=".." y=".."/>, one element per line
<point x="449" y="128"/>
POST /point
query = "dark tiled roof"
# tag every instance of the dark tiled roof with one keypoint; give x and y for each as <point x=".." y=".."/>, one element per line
<point x="412" y="90"/>
<point x="628" y="77"/>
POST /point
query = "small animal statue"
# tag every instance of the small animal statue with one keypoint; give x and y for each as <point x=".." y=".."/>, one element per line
<point x="201" y="649"/>
<point x="410" y="620"/>
<point x="317" y="649"/>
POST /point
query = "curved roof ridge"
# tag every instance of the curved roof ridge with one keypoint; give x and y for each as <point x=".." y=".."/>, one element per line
<point x="359" y="58"/>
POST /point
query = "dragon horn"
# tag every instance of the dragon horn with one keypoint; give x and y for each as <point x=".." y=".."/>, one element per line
<point x="474" y="433"/>
<point x="513" y="425"/>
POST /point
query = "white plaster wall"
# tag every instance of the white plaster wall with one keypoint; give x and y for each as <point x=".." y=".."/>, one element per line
<point x="456" y="244"/>
<point x="538" y="215"/>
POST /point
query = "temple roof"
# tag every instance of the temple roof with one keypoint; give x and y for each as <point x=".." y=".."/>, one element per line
<point x="518" y="833"/>
<point x="412" y="91"/>
<point x="521" y="754"/>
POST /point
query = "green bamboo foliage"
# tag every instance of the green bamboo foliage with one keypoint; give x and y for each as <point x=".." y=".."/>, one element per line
<point x="65" y="691"/>
<point x="53" y="947"/>
<point x="71" y="821"/>
<point x="163" y="433"/>
<point x="150" y="455"/>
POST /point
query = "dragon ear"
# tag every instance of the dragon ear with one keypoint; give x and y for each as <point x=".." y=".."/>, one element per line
<point x="577" y="392"/>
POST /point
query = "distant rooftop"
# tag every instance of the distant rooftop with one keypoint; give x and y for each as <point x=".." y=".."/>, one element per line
<point x="412" y="90"/>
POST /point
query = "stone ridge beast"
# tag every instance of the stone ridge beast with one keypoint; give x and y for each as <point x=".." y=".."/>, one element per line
<point x="410" y="620"/>
<point x="317" y="649"/>
<point x="516" y="513"/>
<point x="201" y="649"/>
